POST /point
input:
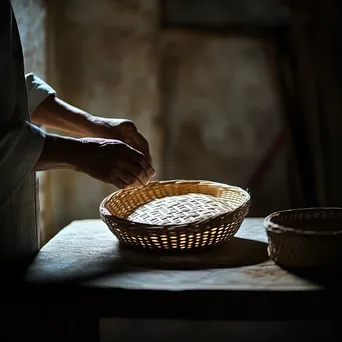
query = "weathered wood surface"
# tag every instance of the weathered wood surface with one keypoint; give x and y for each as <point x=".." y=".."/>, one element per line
<point x="87" y="249"/>
<point x="96" y="276"/>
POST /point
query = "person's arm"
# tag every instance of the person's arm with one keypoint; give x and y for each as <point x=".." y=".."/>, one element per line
<point x="117" y="167"/>
<point x="58" y="153"/>
<point x="21" y="145"/>
<point x="48" y="110"/>
<point x="109" y="161"/>
<point x="57" y="114"/>
<point x="52" y="112"/>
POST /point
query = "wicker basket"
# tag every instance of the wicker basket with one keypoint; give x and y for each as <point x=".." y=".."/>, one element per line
<point x="305" y="238"/>
<point x="137" y="219"/>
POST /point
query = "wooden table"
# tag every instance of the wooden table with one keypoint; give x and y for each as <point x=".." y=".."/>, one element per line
<point x="83" y="272"/>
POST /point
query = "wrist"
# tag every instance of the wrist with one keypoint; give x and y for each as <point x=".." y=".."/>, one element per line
<point x="94" y="126"/>
<point x="59" y="152"/>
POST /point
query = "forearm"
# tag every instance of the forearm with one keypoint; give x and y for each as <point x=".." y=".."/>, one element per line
<point x="59" y="153"/>
<point x="57" y="114"/>
<point x="21" y="144"/>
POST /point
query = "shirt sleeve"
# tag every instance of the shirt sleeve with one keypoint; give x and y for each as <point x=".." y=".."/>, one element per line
<point x="21" y="143"/>
<point x="20" y="149"/>
<point x="37" y="91"/>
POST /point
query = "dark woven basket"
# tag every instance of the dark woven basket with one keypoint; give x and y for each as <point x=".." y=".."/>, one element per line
<point x="305" y="238"/>
<point x="184" y="224"/>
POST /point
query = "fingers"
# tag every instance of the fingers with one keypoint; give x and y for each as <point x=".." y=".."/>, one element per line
<point x="124" y="180"/>
<point x="145" y="149"/>
<point x="131" y="180"/>
<point x="119" y="183"/>
<point x="135" y="175"/>
<point x="140" y="174"/>
<point x="131" y="176"/>
<point x="145" y="164"/>
<point x="130" y="169"/>
<point x="141" y="144"/>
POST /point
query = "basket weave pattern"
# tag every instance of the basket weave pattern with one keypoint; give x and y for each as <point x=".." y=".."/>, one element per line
<point x="305" y="238"/>
<point x="193" y="222"/>
<point x="179" y="209"/>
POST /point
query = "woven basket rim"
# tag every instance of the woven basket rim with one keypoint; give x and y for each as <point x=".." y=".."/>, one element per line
<point x="280" y="229"/>
<point x="105" y="212"/>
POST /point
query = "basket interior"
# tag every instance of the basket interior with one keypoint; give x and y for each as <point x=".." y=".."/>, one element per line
<point x="124" y="204"/>
<point x="310" y="220"/>
<point x="180" y="209"/>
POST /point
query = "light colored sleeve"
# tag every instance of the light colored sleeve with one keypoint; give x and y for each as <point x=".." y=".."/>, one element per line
<point x="20" y="149"/>
<point x="37" y="91"/>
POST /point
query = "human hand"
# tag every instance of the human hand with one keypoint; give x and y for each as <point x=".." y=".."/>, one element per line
<point x="110" y="161"/>
<point x="120" y="129"/>
<point x="113" y="162"/>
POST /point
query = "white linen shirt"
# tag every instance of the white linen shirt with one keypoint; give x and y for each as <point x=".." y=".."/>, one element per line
<point x="21" y="144"/>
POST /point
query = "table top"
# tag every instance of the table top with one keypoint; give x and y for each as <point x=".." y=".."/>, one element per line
<point x="85" y="259"/>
